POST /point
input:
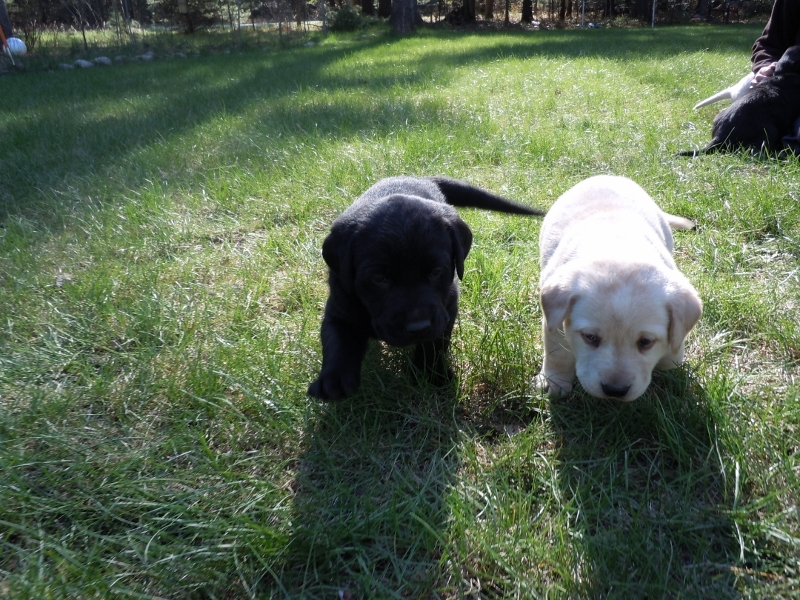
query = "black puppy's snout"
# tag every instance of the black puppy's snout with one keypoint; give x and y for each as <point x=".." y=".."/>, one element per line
<point x="418" y="327"/>
<point x="615" y="391"/>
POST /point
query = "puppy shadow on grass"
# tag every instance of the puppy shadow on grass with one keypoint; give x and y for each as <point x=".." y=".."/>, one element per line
<point x="650" y="497"/>
<point x="369" y="512"/>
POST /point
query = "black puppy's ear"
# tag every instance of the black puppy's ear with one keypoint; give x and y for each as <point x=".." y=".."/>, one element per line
<point x="336" y="251"/>
<point x="789" y="63"/>
<point x="462" y="242"/>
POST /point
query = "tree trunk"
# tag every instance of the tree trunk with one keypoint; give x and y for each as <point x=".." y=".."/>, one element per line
<point x="5" y="22"/>
<point x="468" y="11"/>
<point x="403" y="15"/>
<point x="83" y="25"/>
<point x="702" y="8"/>
<point x="367" y="7"/>
<point x="527" y="11"/>
<point x="297" y="9"/>
<point x="641" y="9"/>
<point x="562" y="11"/>
<point x="322" y="11"/>
<point x="384" y="8"/>
<point x="489" y="15"/>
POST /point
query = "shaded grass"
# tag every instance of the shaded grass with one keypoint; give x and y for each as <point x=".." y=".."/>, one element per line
<point x="161" y="295"/>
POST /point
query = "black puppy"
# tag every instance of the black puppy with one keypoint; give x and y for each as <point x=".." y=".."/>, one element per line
<point x="758" y="120"/>
<point x="394" y="258"/>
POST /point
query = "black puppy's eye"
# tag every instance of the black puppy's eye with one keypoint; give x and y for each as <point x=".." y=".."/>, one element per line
<point x="645" y="343"/>
<point x="379" y="280"/>
<point x="592" y="339"/>
<point x="438" y="274"/>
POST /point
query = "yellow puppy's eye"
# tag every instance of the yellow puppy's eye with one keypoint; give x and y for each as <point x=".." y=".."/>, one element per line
<point x="645" y="343"/>
<point x="591" y="339"/>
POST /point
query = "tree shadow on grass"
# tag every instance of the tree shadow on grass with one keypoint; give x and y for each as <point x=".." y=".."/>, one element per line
<point x="99" y="122"/>
<point x="613" y="43"/>
<point x="369" y="510"/>
<point x="650" y="502"/>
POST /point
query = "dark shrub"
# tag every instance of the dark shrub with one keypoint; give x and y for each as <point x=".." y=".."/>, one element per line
<point x="346" y="18"/>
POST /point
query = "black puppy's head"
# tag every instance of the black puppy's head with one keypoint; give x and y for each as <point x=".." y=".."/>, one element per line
<point x="399" y="257"/>
<point x="789" y="64"/>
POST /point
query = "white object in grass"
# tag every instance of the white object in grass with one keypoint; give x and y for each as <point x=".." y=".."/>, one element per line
<point x="730" y="93"/>
<point x="16" y="46"/>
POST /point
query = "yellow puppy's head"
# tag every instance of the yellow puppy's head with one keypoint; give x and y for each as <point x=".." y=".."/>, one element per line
<point x="620" y="321"/>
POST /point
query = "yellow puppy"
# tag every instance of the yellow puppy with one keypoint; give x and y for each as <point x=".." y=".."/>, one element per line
<point x="615" y="305"/>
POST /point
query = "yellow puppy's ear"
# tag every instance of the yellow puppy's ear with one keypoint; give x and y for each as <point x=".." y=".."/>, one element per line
<point x="684" y="308"/>
<point x="558" y="298"/>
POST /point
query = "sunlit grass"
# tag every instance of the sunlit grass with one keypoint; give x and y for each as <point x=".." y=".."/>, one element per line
<point x="161" y="289"/>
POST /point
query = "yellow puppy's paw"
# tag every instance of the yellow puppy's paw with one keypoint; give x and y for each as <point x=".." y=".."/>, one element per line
<point x="552" y="386"/>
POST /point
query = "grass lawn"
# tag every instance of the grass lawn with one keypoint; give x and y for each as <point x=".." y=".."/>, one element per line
<point x="161" y="290"/>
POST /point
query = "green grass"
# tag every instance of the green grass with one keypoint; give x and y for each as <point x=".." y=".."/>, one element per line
<point x="161" y="289"/>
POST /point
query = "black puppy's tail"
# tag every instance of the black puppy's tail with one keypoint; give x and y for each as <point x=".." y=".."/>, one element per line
<point x="460" y="193"/>
<point x="710" y="149"/>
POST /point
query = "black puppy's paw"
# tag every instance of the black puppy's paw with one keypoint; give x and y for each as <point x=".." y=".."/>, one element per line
<point x="334" y="386"/>
<point x="438" y="378"/>
<point x="442" y="377"/>
<point x="430" y="360"/>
